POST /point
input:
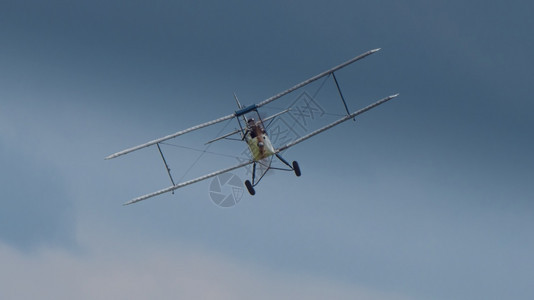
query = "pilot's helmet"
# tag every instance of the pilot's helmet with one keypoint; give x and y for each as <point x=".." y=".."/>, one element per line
<point x="251" y="121"/>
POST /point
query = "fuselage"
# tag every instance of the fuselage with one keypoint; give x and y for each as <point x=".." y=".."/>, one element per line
<point x="258" y="142"/>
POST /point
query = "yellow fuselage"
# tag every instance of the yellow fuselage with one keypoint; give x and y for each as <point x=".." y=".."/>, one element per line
<point x="260" y="146"/>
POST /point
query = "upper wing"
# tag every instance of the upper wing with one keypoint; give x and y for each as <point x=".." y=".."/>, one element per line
<point x="180" y="185"/>
<point x="246" y="109"/>
<point x="318" y="76"/>
<point x="347" y="117"/>
<point x="170" y="136"/>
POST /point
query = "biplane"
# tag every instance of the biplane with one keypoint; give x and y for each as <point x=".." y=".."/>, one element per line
<point x="252" y="131"/>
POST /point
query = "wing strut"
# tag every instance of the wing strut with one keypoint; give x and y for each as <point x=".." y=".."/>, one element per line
<point x="166" y="166"/>
<point x="341" y="95"/>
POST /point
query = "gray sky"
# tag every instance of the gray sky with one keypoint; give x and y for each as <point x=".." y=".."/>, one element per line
<point x="426" y="197"/>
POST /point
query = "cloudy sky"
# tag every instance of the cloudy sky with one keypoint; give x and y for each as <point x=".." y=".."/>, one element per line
<point x="429" y="196"/>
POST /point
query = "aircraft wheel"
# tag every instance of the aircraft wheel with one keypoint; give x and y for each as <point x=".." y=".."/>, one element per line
<point x="296" y="168"/>
<point x="250" y="188"/>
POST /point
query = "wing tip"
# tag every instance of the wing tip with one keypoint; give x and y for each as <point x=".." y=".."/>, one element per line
<point x="111" y="156"/>
<point x="138" y="199"/>
<point x="132" y="201"/>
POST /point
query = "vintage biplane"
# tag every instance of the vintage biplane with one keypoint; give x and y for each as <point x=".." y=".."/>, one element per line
<point x="253" y="132"/>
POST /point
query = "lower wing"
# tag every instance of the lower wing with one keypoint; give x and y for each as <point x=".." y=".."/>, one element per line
<point x="180" y="185"/>
<point x="347" y="117"/>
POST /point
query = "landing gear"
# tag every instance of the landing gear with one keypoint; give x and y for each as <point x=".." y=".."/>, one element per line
<point x="291" y="167"/>
<point x="296" y="168"/>
<point x="250" y="188"/>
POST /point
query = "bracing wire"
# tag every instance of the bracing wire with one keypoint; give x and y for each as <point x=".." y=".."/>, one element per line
<point x="204" y="151"/>
<point x="199" y="150"/>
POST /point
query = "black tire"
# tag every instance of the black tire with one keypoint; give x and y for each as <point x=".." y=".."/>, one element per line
<point x="296" y="168"/>
<point x="250" y="188"/>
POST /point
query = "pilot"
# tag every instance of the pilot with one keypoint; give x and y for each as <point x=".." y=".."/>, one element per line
<point x="252" y="127"/>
